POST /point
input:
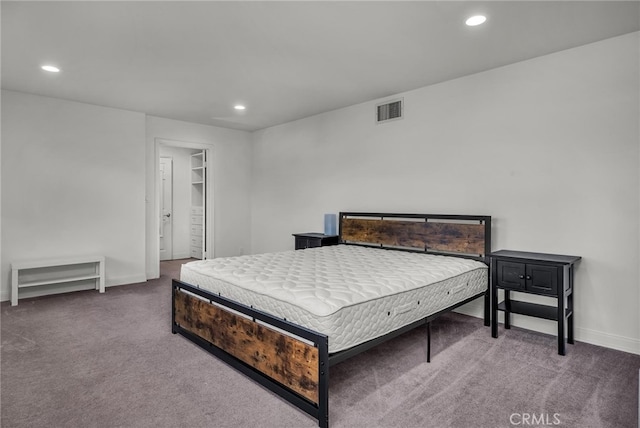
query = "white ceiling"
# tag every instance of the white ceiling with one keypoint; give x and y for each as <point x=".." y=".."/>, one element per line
<point x="193" y="61"/>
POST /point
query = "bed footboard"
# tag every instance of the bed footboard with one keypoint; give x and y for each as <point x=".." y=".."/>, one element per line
<point x="288" y="359"/>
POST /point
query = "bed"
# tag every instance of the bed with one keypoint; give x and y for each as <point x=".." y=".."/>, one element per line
<point x="284" y="318"/>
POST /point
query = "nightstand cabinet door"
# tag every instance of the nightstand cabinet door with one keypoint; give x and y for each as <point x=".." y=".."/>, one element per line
<point x="511" y="275"/>
<point x="542" y="279"/>
<point x="303" y="242"/>
<point x="312" y="240"/>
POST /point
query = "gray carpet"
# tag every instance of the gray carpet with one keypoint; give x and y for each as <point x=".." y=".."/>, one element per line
<point x="89" y="360"/>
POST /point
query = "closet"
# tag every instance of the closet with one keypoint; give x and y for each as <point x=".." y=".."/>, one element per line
<point x="198" y="192"/>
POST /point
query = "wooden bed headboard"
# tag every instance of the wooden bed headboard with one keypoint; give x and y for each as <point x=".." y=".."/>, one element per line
<point x="455" y="235"/>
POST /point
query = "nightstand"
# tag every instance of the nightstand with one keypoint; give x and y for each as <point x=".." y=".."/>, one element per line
<point x="312" y="240"/>
<point x="534" y="273"/>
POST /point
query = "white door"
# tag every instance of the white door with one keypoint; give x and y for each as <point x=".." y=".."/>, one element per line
<point x="166" y="203"/>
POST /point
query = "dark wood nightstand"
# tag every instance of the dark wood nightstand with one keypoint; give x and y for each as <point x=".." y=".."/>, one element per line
<point x="312" y="240"/>
<point x="534" y="273"/>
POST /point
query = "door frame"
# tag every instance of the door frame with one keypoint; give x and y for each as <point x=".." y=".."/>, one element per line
<point x="161" y="200"/>
<point x="155" y="218"/>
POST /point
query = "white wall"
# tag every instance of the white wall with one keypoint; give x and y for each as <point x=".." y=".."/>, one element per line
<point x="181" y="214"/>
<point x="72" y="184"/>
<point x="549" y="147"/>
<point x="231" y="166"/>
<point x="75" y="178"/>
<point x="1" y="274"/>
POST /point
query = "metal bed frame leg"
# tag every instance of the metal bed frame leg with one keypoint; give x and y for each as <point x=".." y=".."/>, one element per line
<point x="428" y="341"/>
<point x="323" y="384"/>
<point x="487" y="307"/>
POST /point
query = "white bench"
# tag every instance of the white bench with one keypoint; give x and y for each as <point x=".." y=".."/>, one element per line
<point x="56" y="271"/>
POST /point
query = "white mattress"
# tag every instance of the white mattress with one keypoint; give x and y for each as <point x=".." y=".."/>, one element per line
<point x="350" y="293"/>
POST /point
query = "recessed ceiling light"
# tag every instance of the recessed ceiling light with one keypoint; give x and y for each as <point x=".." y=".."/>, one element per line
<point x="239" y="107"/>
<point x="50" y="68"/>
<point x="475" y="20"/>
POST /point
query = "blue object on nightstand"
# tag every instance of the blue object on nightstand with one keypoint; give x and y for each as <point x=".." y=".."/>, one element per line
<point x="330" y="224"/>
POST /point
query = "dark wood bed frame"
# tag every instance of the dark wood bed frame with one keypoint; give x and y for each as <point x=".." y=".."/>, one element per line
<point x="293" y="361"/>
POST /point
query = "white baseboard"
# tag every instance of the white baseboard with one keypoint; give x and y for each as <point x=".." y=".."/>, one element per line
<point x="124" y="280"/>
<point x="593" y="337"/>
<point x="178" y="256"/>
<point x="608" y="340"/>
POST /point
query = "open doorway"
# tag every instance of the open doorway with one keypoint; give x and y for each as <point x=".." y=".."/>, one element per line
<point x="184" y="201"/>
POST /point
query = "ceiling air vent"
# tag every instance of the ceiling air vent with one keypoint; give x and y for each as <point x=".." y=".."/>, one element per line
<point x="390" y="110"/>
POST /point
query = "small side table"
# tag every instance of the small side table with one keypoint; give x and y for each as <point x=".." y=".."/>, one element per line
<point x="534" y="273"/>
<point x="312" y="240"/>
